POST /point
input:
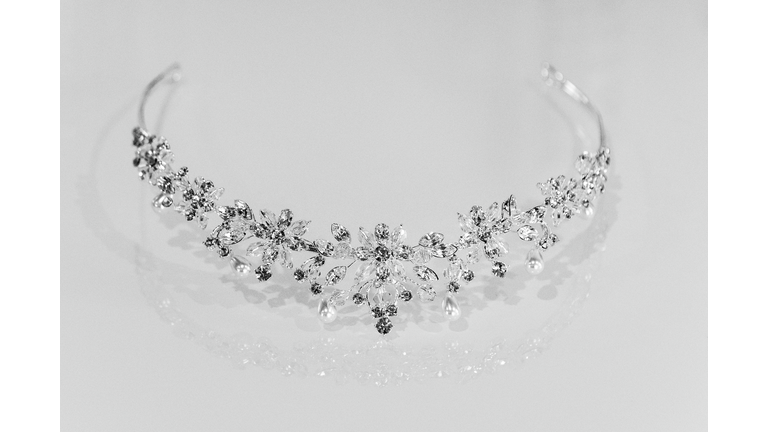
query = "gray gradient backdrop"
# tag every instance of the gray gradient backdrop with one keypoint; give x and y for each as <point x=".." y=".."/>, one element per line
<point x="397" y="112"/>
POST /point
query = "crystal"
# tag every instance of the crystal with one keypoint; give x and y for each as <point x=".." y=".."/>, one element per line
<point x="240" y="265"/>
<point x="299" y="275"/>
<point x="326" y="311"/>
<point x="358" y="298"/>
<point x="340" y="233"/>
<point x="406" y="295"/>
<point x="499" y="269"/>
<point x="403" y="252"/>
<point x="431" y="239"/>
<point x="421" y="255"/>
<point x="255" y="248"/>
<point x="382" y="272"/>
<point x="444" y="251"/>
<point x="315" y="288"/>
<point x="365" y="270"/>
<point x="384" y="325"/>
<point x="425" y="273"/>
<point x="323" y="247"/>
<point x="202" y="221"/>
<point x="381" y="232"/>
<point x="243" y="209"/>
<point x="216" y="194"/>
<point x="263" y="273"/>
<point x="451" y="308"/>
<point x="534" y="262"/>
<point x="162" y="201"/>
<point x="365" y="238"/>
<point x="494" y="211"/>
<point x="268" y="217"/>
<point x="285" y="219"/>
<point x="285" y="258"/>
<point x="453" y="271"/>
<point x="477" y="215"/>
<point x="363" y="253"/>
<point x="299" y="228"/>
<point x="342" y="250"/>
<point x="270" y="254"/>
<point x="527" y="233"/>
<point x="377" y="312"/>
<point x="508" y="205"/>
<point x="398" y="235"/>
<point x="338" y="297"/>
<point x="473" y="255"/>
<point x="391" y="310"/>
<point x="426" y="293"/>
<point x="465" y="224"/>
<point x="453" y="287"/>
<point x="336" y="274"/>
<point x="468" y="275"/>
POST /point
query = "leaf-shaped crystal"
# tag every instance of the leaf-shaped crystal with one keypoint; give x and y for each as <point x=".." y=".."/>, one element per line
<point x="536" y="214"/>
<point x="454" y="270"/>
<point x="323" y="247"/>
<point x="243" y="209"/>
<point x="508" y="205"/>
<point x="494" y="211"/>
<point x="465" y="223"/>
<point x="268" y="217"/>
<point x="381" y="232"/>
<point x="527" y="233"/>
<point x="285" y="258"/>
<point x="216" y="194"/>
<point x="299" y="228"/>
<point x="426" y="293"/>
<point x="431" y="239"/>
<point x="366" y="239"/>
<point x="425" y="273"/>
<point x="202" y="220"/>
<point x="398" y="235"/>
<point x="285" y="219"/>
<point x="477" y="215"/>
<point x="336" y="275"/>
<point x="255" y="248"/>
<point x="340" y="233"/>
<point x="365" y="270"/>
<point x="444" y="251"/>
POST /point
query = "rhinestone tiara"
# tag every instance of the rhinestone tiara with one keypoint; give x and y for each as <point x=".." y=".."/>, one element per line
<point x="389" y="269"/>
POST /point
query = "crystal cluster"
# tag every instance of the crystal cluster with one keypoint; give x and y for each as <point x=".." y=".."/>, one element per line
<point x="388" y="269"/>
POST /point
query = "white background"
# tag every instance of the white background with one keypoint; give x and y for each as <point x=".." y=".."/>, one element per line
<point x="383" y="112"/>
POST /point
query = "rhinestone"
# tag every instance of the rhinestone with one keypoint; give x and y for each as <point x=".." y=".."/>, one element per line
<point x="362" y="253"/>
<point x="453" y="287"/>
<point x="377" y="312"/>
<point x="299" y="275"/>
<point x="425" y="273"/>
<point x="527" y="233"/>
<point x="406" y="295"/>
<point x="431" y="240"/>
<point x="336" y="275"/>
<point x="499" y="269"/>
<point x="392" y="310"/>
<point x="384" y="325"/>
<point x="340" y="233"/>
<point x="381" y="232"/>
<point x="382" y="253"/>
<point x="427" y="293"/>
<point x="263" y="273"/>
<point x="315" y="288"/>
<point x="468" y="275"/>
<point x="358" y="299"/>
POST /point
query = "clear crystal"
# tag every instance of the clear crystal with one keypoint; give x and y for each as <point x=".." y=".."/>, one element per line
<point x="216" y="194"/>
<point x="426" y="293"/>
<point x="465" y="224"/>
<point x="381" y="232"/>
<point x="255" y="248"/>
<point x="425" y="273"/>
<point x="454" y="270"/>
<point x="299" y="228"/>
<point x="340" y="233"/>
<point x="202" y="220"/>
<point x="270" y="254"/>
<point x="285" y="219"/>
<point x="494" y="211"/>
<point x="527" y="233"/>
<point x="365" y="270"/>
<point x="365" y="238"/>
<point x="268" y="217"/>
<point x="342" y="250"/>
<point x="398" y="235"/>
<point x="285" y="258"/>
<point x="336" y="275"/>
<point x="473" y="256"/>
<point x="421" y="255"/>
<point x="431" y="239"/>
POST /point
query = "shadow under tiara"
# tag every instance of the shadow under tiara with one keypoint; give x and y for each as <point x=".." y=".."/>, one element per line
<point x="385" y="361"/>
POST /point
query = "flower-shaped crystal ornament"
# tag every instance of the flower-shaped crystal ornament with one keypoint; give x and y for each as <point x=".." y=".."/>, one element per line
<point x="277" y="235"/>
<point x="482" y="235"/>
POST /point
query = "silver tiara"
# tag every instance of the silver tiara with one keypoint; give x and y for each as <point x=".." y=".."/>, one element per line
<point x="389" y="268"/>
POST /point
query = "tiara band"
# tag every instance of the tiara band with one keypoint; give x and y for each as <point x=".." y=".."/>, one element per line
<point x="389" y="269"/>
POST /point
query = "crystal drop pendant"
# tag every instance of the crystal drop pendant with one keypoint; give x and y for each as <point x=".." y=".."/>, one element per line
<point x="241" y="266"/>
<point x="162" y="201"/>
<point x="534" y="262"/>
<point x="326" y="311"/>
<point x="451" y="307"/>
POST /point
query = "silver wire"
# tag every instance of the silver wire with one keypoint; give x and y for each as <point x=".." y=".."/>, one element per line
<point x="172" y="72"/>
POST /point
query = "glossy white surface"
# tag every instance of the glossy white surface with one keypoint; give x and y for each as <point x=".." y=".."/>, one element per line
<point x="398" y="113"/>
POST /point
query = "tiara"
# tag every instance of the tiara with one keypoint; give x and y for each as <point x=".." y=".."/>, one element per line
<point x="389" y="269"/>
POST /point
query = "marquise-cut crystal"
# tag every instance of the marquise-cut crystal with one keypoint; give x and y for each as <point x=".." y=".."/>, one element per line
<point x="425" y="273"/>
<point x="365" y="238"/>
<point x="426" y="293"/>
<point x="336" y="275"/>
<point x="340" y="233"/>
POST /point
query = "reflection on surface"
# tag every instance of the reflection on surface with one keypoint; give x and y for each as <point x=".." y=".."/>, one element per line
<point x="382" y="361"/>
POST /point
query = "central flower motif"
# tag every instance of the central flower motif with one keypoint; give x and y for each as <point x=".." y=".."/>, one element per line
<point x="482" y="231"/>
<point x="279" y="236"/>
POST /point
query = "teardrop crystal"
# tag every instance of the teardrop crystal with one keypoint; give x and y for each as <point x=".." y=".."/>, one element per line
<point x="534" y="262"/>
<point x="527" y="233"/>
<point x="451" y="307"/>
<point x="340" y="233"/>
<point x="326" y="311"/>
<point x="241" y="266"/>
